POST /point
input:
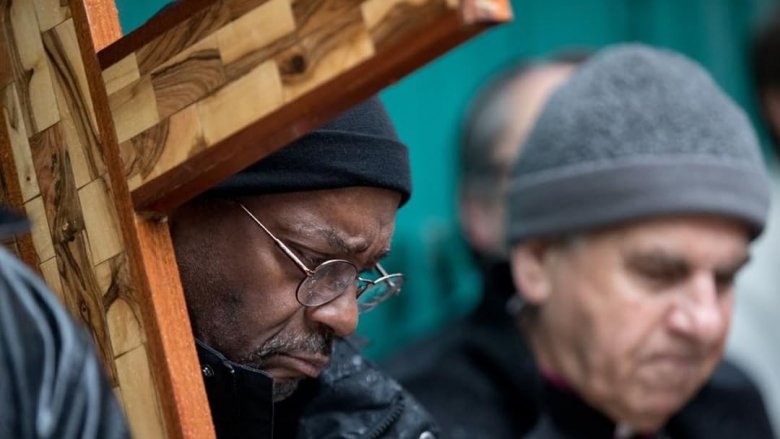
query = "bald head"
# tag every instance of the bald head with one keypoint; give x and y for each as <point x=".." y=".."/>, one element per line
<point x="497" y="124"/>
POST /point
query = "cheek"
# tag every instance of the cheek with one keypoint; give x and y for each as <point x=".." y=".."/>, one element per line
<point x="258" y="294"/>
<point x="615" y="327"/>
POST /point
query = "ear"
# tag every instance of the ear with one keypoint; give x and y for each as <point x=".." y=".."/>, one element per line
<point x="531" y="272"/>
<point x="477" y="224"/>
<point x="772" y="105"/>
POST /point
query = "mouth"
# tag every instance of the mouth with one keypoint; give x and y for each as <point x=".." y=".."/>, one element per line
<point x="672" y="370"/>
<point x="295" y="365"/>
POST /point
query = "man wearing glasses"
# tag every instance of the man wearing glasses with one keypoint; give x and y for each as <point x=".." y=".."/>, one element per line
<point x="277" y="262"/>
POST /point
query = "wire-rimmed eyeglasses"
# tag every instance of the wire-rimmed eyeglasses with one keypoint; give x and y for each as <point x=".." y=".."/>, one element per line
<point x="334" y="277"/>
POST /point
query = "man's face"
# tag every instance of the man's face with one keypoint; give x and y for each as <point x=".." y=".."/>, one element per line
<point x="241" y="287"/>
<point x="635" y="318"/>
<point x="482" y="208"/>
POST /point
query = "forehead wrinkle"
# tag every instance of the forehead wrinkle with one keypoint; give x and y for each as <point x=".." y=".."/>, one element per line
<point x="335" y="239"/>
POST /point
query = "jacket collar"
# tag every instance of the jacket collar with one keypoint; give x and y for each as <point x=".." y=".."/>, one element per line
<point x="239" y="396"/>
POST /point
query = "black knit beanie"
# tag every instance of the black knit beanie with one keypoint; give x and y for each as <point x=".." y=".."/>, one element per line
<point x="636" y="132"/>
<point x="358" y="148"/>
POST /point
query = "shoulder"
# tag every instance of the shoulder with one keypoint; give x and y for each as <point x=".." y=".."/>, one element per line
<point x="477" y="380"/>
<point x="355" y="399"/>
<point x="53" y="376"/>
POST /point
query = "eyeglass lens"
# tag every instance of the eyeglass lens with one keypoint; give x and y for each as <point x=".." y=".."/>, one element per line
<point x="327" y="282"/>
<point x="333" y="278"/>
<point x="379" y="291"/>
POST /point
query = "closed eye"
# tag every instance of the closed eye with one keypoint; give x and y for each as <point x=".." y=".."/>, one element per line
<point x="659" y="270"/>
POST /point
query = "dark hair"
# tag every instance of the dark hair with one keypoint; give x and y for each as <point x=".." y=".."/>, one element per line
<point x="487" y="120"/>
<point x="765" y="62"/>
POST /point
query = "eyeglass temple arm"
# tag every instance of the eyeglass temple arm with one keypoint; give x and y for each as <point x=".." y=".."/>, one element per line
<point x="278" y="242"/>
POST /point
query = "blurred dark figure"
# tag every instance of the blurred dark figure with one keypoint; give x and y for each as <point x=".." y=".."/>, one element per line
<point x="753" y="341"/>
<point x="474" y="375"/>
<point x="51" y="383"/>
<point x="631" y="210"/>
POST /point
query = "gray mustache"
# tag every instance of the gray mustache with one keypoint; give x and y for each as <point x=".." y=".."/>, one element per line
<point x="312" y="344"/>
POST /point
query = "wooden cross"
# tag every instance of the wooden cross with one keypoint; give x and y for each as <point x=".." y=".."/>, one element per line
<point x="101" y="135"/>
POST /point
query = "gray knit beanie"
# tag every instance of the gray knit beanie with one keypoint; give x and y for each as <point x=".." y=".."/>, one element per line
<point x="636" y="132"/>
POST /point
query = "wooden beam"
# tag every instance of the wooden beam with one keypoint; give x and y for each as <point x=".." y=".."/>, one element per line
<point x="205" y="89"/>
<point x="11" y="195"/>
<point x="103" y="20"/>
<point x="238" y="79"/>
<point x="157" y="294"/>
<point x="60" y="164"/>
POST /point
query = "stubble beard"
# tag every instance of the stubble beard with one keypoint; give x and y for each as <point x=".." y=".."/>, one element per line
<point x="315" y="343"/>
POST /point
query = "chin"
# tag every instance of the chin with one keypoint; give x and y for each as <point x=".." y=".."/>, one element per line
<point x="284" y="388"/>
<point x="654" y="410"/>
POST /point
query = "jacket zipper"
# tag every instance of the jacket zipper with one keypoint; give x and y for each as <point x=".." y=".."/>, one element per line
<point x="392" y="418"/>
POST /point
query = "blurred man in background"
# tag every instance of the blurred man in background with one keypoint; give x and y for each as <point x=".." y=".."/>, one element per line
<point x="753" y="341"/>
<point x="482" y="390"/>
<point x="631" y="209"/>
<point x="51" y="382"/>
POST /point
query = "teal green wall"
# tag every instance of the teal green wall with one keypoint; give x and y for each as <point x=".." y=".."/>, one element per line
<point x="427" y="107"/>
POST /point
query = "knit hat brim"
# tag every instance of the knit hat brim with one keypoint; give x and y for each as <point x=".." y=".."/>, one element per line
<point x="587" y="197"/>
<point x="636" y="132"/>
<point x="326" y="160"/>
<point x="360" y="147"/>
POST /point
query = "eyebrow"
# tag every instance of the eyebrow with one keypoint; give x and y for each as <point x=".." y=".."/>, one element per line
<point x="674" y="265"/>
<point x="658" y="261"/>
<point x="339" y="243"/>
<point x="733" y="267"/>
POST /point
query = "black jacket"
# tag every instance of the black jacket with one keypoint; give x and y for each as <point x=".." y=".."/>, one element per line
<point x="479" y="380"/>
<point x="51" y="383"/>
<point x="350" y="399"/>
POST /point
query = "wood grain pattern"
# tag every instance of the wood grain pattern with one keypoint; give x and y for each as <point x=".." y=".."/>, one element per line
<point x="121" y="74"/>
<point x="183" y="35"/>
<point x="63" y="51"/>
<point x="51" y="13"/>
<point x="11" y="193"/>
<point x="255" y="29"/>
<point x="163" y="21"/>
<point x="20" y="145"/>
<point x="67" y="230"/>
<point x="6" y="69"/>
<point x="134" y="108"/>
<point x="310" y="64"/>
<point x="75" y="103"/>
<point x="178" y="387"/>
<point x="140" y="405"/>
<point x="387" y="19"/>
<point x="74" y="213"/>
<point x="100" y="221"/>
<point x="240" y="103"/>
<point x="166" y="144"/>
<point x="177" y="356"/>
<point x="122" y="303"/>
<point x="125" y="328"/>
<point x="33" y="79"/>
<point x="39" y="229"/>
<point x="103" y="21"/>
<point x="51" y="275"/>
<point x="188" y="76"/>
<point x="189" y="110"/>
<point x="238" y="8"/>
<point x="317" y="47"/>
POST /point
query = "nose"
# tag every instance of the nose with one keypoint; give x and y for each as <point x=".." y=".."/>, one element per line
<point x="340" y="314"/>
<point x="701" y="314"/>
